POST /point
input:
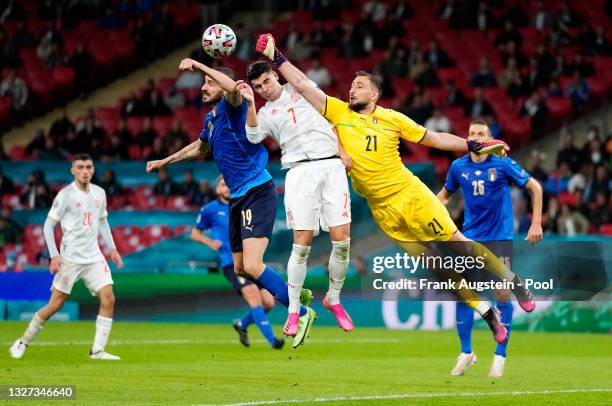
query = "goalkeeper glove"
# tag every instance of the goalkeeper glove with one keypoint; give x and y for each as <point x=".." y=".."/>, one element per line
<point x="495" y="147"/>
<point x="266" y="46"/>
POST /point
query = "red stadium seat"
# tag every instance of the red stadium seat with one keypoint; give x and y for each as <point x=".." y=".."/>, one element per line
<point x="606" y="229"/>
<point x="559" y="109"/>
<point x="567" y="198"/>
<point x="152" y="234"/>
<point x="180" y="230"/>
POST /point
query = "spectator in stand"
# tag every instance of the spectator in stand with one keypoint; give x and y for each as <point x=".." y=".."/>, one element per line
<point x="579" y="180"/>
<point x="478" y="107"/>
<point x="558" y="180"/>
<point x="19" y="40"/>
<point x="68" y="145"/>
<point x="111" y="20"/>
<point x="536" y="76"/>
<point x="568" y="18"/>
<point x="552" y="215"/>
<point x="402" y="10"/>
<point x="419" y="108"/>
<point x="6" y="184"/>
<point x="36" y="194"/>
<point x="536" y="109"/>
<point x="592" y="150"/>
<point x="457" y="15"/>
<point x="82" y="63"/>
<point x="438" y="122"/>
<point x="557" y="36"/>
<point x="417" y="66"/>
<point x="7" y="215"/>
<point x="132" y="106"/>
<point x="189" y="80"/>
<point x="148" y="134"/>
<point x="594" y="42"/>
<point x="436" y="56"/>
<point x="142" y="34"/>
<point x="427" y="77"/>
<point x="90" y="137"/>
<point x="16" y="88"/>
<point x="163" y="23"/>
<point x="485" y="20"/>
<point x="511" y="80"/>
<point x="571" y="222"/>
<point x="414" y="51"/>
<point x="561" y="67"/>
<point x="173" y="98"/>
<point x="569" y="153"/>
<point x="542" y="18"/>
<point x="123" y="132"/>
<point x="545" y="59"/>
<point x="320" y="37"/>
<point x="189" y="187"/>
<point x="154" y="106"/>
<point x="484" y="77"/>
<point x="554" y="89"/>
<point x="50" y="152"/>
<point x="3" y="154"/>
<point x="37" y="143"/>
<point x="319" y="73"/>
<point x="350" y="44"/>
<point x="582" y="65"/>
<point x="509" y="34"/>
<point x="375" y="11"/>
<point x="578" y="91"/>
<point x="110" y="184"/>
<point x="60" y="127"/>
<point x="48" y="51"/>
<point x="164" y="186"/>
<point x="512" y="51"/>
<point x="205" y="194"/>
<point x="388" y="33"/>
<point x="600" y="184"/>
<point x="454" y="96"/>
<point x="116" y="150"/>
<point x="537" y="172"/>
<point x="397" y="65"/>
<point x="158" y="151"/>
<point x="176" y="133"/>
<point x="8" y="233"/>
<point x="601" y="212"/>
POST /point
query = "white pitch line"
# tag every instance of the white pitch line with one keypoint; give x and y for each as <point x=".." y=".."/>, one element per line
<point x="217" y="342"/>
<point x="408" y="396"/>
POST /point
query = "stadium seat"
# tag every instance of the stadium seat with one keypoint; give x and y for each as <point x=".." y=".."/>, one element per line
<point x="606" y="229"/>
<point x="559" y="109"/>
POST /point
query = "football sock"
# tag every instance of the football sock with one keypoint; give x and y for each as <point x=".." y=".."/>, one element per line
<point x="492" y="263"/>
<point x="465" y="321"/>
<point x="247" y="320"/>
<point x="338" y="267"/>
<point x="296" y="274"/>
<point x="274" y="283"/>
<point x="260" y="318"/>
<point x="505" y="308"/>
<point x="36" y="324"/>
<point x="103" y="328"/>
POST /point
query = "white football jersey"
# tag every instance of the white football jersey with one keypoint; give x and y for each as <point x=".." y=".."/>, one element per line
<point x="301" y="132"/>
<point x="79" y="214"/>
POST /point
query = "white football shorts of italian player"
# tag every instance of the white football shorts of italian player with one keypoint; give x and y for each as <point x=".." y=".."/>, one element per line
<point x="316" y="187"/>
<point x="79" y="215"/>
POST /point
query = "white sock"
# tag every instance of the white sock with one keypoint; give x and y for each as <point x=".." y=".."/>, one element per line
<point x="482" y="308"/>
<point x="338" y="267"/>
<point x="296" y="274"/>
<point x="36" y="324"/>
<point x="103" y="328"/>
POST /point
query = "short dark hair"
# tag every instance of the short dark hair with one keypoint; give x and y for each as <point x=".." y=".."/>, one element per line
<point x="256" y="69"/>
<point x="227" y="72"/>
<point x="375" y="80"/>
<point x="82" y="157"/>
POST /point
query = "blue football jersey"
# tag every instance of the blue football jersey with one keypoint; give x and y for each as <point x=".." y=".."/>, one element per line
<point x="242" y="164"/>
<point x="214" y="216"/>
<point x="488" y="213"/>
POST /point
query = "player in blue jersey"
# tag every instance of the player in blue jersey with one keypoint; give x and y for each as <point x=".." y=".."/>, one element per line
<point x="252" y="205"/>
<point x="214" y="216"/>
<point x="485" y="182"/>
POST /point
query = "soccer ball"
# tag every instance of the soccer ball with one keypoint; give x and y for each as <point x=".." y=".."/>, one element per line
<point x="219" y="41"/>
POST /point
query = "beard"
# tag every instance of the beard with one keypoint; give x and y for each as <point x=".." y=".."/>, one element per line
<point x="358" y="106"/>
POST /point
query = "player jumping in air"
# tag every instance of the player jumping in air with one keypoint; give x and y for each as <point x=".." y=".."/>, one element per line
<point x="252" y="204"/>
<point x="316" y="188"/>
<point x="485" y="181"/>
<point x="404" y="208"/>
<point x="80" y="208"/>
<point x="214" y="216"/>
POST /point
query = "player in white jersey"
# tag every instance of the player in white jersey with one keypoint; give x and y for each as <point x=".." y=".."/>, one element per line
<point x="80" y="208"/>
<point x="316" y="188"/>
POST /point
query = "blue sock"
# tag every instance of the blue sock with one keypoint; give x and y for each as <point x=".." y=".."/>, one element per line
<point x="506" y="318"/>
<point x="276" y="285"/>
<point x="247" y="319"/>
<point x="260" y="318"/>
<point x="465" y="321"/>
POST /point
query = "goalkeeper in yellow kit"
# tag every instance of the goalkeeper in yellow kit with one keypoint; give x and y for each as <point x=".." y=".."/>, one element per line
<point x="403" y="207"/>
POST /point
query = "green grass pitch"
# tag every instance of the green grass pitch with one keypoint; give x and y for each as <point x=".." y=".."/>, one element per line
<point x="204" y="364"/>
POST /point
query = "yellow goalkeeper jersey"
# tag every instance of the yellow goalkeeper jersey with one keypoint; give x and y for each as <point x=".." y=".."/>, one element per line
<point x="372" y="141"/>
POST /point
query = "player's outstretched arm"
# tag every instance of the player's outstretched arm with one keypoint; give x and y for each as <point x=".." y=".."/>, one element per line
<point x="297" y="78"/>
<point x="190" y="152"/>
<point x="534" y="235"/>
<point x="198" y="236"/>
<point x="450" y="142"/>
<point x="225" y="82"/>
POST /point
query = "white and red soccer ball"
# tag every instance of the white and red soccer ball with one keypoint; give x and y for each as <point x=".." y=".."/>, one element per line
<point x="219" y="41"/>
